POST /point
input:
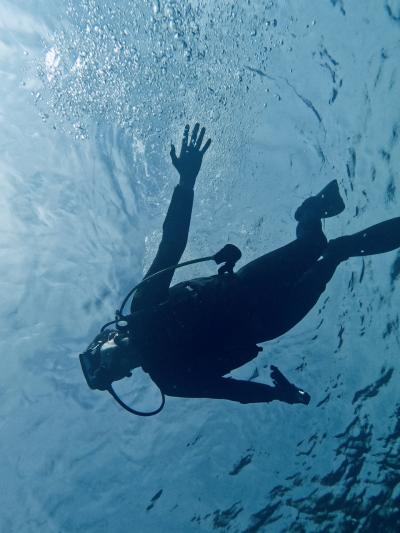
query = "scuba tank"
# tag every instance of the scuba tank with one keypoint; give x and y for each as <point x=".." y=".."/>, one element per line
<point x="99" y="371"/>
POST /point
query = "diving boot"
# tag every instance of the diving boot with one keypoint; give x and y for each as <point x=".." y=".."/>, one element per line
<point x="328" y="203"/>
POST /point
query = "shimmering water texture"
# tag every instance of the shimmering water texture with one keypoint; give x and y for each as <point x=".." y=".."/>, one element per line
<point x="294" y="94"/>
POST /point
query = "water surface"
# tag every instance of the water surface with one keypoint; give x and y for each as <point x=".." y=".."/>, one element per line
<point x="293" y="94"/>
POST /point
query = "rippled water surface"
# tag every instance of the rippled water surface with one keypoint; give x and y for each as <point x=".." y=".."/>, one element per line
<point x="293" y="94"/>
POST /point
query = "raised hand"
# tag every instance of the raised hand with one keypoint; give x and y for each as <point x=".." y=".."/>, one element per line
<point x="191" y="155"/>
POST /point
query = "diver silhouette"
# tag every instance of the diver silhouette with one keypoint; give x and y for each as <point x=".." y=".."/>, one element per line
<point x="188" y="337"/>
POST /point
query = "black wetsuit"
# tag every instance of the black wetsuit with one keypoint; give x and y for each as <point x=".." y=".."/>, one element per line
<point x="192" y="334"/>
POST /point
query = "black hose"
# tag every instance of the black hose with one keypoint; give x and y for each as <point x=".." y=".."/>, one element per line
<point x="145" y="280"/>
<point x="134" y="411"/>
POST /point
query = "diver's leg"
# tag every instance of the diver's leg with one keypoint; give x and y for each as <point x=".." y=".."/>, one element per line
<point x="377" y="239"/>
<point x="272" y="276"/>
<point x="300" y="298"/>
<point x="285" y="265"/>
<point x="268" y="278"/>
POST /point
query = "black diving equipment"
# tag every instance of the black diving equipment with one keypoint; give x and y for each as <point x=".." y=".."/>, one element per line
<point x="102" y="367"/>
<point x="102" y="364"/>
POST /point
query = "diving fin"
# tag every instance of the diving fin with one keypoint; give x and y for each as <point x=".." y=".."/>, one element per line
<point x="327" y="203"/>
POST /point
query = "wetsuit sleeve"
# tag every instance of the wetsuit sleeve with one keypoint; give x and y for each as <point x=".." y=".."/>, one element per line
<point x="225" y="389"/>
<point x="173" y="243"/>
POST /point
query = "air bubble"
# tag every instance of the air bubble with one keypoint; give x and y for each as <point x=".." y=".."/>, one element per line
<point x="156" y="7"/>
<point x="128" y="63"/>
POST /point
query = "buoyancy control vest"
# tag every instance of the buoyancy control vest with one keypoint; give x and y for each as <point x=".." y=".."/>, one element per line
<point x="196" y="296"/>
<point x="202" y="328"/>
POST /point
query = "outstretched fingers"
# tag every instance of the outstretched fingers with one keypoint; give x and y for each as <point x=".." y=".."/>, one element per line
<point x="194" y="134"/>
<point x="205" y="147"/>
<point x="196" y="140"/>
<point x="172" y="153"/>
<point x="185" y="139"/>
<point x="200" y="138"/>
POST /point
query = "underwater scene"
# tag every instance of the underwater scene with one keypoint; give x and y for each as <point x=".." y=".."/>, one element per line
<point x="293" y="94"/>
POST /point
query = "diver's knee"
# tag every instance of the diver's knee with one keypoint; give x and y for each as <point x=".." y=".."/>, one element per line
<point x="338" y="249"/>
<point x="314" y="237"/>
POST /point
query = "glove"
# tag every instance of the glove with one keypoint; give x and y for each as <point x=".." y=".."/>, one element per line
<point x="286" y="391"/>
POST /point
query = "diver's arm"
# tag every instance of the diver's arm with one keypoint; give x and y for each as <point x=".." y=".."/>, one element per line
<point x="224" y="389"/>
<point x="170" y="250"/>
<point x="177" y="222"/>
<point x="174" y="236"/>
<point x="241" y="391"/>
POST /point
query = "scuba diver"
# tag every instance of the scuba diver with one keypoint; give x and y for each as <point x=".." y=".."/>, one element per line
<point x="188" y="337"/>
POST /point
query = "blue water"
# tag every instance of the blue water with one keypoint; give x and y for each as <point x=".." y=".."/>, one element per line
<point x="294" y="94"/>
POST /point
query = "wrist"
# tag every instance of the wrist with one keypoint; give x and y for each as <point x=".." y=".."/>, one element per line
<point x="185" y="185"/>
